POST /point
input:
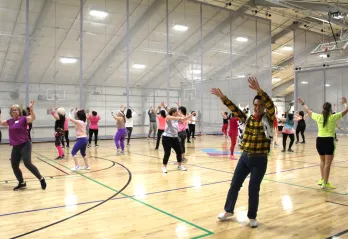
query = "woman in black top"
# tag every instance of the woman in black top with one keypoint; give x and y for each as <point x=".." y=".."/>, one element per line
<point x="301" y="127"/>
<point x="225" y="123"/>
<point x="59" y="115"/>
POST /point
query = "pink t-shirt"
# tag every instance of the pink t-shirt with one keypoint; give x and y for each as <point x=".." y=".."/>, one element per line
<point x="66" y="124"/>
<point x="18" y="131"/>
<point x="94" y="121"/>
<point x="161" y="122"/>
<point x="182" y="126"/>
<point x="80" y="129"/>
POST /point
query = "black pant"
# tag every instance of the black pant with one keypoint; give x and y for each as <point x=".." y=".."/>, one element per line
<point x="0" y="136"/>
<point x="29" y="131"/>
<point x="256" y="166"/>
<point x="66" y="136"/>
<point x="95" y="132"/>
<point x="159" y="134"/>
<point x="129" y="129"/>
<point x="168" y="143"/>
<point x="23" y="151"/>
<point x="302" y="130"/>
<point x="292" y="139"/>
<point x="182" y="139"/>
<point x="59" y="138"/>
<point x="192" y="130"/>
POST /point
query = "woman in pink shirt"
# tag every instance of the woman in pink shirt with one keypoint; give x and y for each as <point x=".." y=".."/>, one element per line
<point x="161" y="125"/>
<point x="93" y="127"/>
<point x="81" y="139"/>
<point x="182" y="131"/>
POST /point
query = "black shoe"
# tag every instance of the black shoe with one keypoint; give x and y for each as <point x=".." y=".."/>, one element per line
<point x="43" y="183"/>
<point x="297" y="142"/>
<point x="97" y="145"/>
<point x="58" y="158"/>
<point x="156" y="148"/>
<point x="283" y="150"/>
<point x="67" y="146"/>
<point x="290" y="150"/>
<point x="188" y="142"/>
<point x="20" y="186"/>
<point x="63" y="147"/>
<point x="303" y="142"/>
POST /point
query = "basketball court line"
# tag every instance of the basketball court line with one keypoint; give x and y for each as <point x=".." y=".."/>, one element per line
<point x="338" y="235"/>
<point x="207" y="232"/>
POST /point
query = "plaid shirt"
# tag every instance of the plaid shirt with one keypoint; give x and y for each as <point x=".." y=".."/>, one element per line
<point x="254" y="139"/>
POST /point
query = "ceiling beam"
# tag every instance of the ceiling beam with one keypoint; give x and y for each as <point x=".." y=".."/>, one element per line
<point x="278" y="90"/>
<point x="34" y="36"/>
<point x="104" y="65"/>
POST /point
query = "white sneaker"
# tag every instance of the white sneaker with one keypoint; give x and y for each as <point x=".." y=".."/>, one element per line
<point x="118" y="152"/>
<point x="122" y="153"/>
<point x="86" y="168"/>
<point x="253" y="223"/>
<point x="164" y="170"/>
<point x="224" y="216"/>
<point x="75" y="168"/>
<point x="182" y="168"/>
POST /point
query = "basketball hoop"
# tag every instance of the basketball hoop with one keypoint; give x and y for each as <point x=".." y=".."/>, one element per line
<point x="325" y="46"/>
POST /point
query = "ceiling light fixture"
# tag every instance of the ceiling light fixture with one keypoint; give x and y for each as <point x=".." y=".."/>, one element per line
<point x="242" y="39"/>
<point x="97" y="13"/>
<point x="305" y="82"/>
<point x="276" y="79"/>
<point x="180" y="28"/>
<point x="139" y="66"/>
<point x="240" y="76"/>
<point x="68" y="60"/>
<point x="327" y="85"/>
<point x="196" y="71"/>
<point x="287" y="48"/>
<point x="323" y="56"/>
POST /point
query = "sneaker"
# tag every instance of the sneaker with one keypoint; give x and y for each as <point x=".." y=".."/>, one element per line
<point x="303" y="142"/>
<point x="43" y="183"/>
<point x="58" y="158"/>
<point x="253" y="223"/>
<point x="86" y="168"/>
<point x="97" y="145"/>
<point x="224" y="216"/>
<point x="182" y="168"/>
<point x="184" y="160"/>
<point x="232" y="157"/>
<point x="283" y="151"/>
<point x="75" y="168"/>
<point x="320" y="182"/>
<point x="63" y="147"/>
<point x="67" y="146"/>
<point x="164" y="170"/>
<point x="188" y="142"/>
<point x="20" y="186"/>
<point x="118" y="152"/>
<point x="128" y="145"/>
<point x="290" y="150"/>
<point x="297" y="142"/>
<point x="122" y="153"/>
<point x="156" y="148"/>
<point x="88" y="146"/>
<point x="327" y="186"/>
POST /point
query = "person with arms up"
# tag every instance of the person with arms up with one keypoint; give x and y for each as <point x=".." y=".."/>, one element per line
<point x="326" y="122"/>
<point x="255" y="145"/>
<point x="153" y="122"/>
<point x="21" y="145"/>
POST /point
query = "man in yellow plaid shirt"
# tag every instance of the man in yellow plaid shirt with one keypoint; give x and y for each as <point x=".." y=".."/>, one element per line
<point x="255" y="146"/>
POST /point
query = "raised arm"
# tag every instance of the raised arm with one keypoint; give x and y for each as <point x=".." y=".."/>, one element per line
<point x="3" y="122"/>
<point x="116" y="117"/>
<point x="301" y="102"/>
<point x="32" y="116"/>
<point x="344" y="102"/>
<point x="233" y="108"/>
<point x="54" y="114"/>
<point x="71" y="118"/>
<point x="223" y="115"/>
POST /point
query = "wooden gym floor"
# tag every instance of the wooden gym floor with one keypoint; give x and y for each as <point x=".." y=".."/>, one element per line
<point x="174" y="205"/>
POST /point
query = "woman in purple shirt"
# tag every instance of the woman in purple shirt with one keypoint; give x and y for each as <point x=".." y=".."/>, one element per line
<point x="19" y="139"/>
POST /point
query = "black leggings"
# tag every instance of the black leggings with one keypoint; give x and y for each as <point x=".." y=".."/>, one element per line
<point x="182" y="138"/>
<point x="159" y="134"/>
<point x="192" y="129"/>
<point x="168" y="143"/>
<point x="66" y="136"/>
<point x="95" y="132"/>
<point x="23" y="151"/>
<point x="59" y="137"/>
<point x="129" y="129"/>
<point x="302" y="130"/>
<point x="292" y="139"/>
<point x="0" y="136"/>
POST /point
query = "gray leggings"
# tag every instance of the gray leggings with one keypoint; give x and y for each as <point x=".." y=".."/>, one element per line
<point x="153" y="127"/>
<point x="23" y="151"/>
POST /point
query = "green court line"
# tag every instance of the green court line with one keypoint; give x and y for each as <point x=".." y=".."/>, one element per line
<point x="208" y="233"/>
<point x="296" y="185"/>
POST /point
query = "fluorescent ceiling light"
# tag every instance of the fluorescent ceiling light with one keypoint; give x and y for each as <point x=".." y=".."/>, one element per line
<point x="240" y="76"/>
<point x="68" y="60"/>
<point x="242" y="39"/>
<point x="287" y="48"/>
<point x="305" y="82"/>
<point x="323" y="56"/>
<point x="97" y="13"/>
<point x="139" y="66"/>
<point x="327" y="85"/>
<point x="196" y="71"/>
<point x="276" y="79"/>
<point x="180" y="28"/>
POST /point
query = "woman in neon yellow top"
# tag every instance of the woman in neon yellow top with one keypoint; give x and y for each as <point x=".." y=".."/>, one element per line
<point x="326" y="122"/>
